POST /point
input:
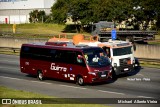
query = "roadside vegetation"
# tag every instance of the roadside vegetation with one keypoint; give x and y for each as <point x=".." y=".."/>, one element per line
<point x="38" y="30"/>
<point x="11" y="93"/>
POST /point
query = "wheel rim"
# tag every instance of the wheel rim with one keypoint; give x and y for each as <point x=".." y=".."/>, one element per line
<point x="80" y="81"/>
<point x="40" y="76"/>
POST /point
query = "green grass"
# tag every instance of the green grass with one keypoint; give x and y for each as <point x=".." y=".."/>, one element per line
<point x="35" y="30"/>
<point x="11" y="93"/>
<point x="150" y="64"/>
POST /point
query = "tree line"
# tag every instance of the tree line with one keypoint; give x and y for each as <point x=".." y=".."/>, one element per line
<point x="88" y="12"/>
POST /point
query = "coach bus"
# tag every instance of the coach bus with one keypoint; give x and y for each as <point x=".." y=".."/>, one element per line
<point x="82" y="64"/>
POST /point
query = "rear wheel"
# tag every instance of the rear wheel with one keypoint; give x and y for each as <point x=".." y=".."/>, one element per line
<point x="80" y="81"/>
<point x="40" y="75"/>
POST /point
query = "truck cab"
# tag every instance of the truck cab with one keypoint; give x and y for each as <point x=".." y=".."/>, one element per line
<point x="120" y="54"/>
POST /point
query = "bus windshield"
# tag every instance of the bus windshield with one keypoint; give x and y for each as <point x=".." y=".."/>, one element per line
<point x="122" y="51"/>
<point x="96" y="58"/>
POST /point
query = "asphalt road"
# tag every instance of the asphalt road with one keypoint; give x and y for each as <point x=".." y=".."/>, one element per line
<point x="142" y="83"/>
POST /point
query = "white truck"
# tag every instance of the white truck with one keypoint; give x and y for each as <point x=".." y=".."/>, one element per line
<point x="121" y="54"/>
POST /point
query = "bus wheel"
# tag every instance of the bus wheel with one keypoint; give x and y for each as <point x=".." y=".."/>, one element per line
<point x="114" y="76"/>
<point x="40" y="75"/>
<point x="80" y="81"/>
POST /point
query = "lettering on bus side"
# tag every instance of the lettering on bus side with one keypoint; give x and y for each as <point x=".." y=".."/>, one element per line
<point x="57" y="68"/>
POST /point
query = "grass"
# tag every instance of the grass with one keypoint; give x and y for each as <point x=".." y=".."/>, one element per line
<point x="150" y="64"/>
<point x="35" y="30"/>
<point x="11" y="93"/>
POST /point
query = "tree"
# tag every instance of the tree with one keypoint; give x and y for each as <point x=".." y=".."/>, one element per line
<point x="59" y="11"/>
<point x="92" y="11"/>
<point x="37" y="16"/>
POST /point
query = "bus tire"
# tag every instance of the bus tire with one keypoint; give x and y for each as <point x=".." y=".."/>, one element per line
<point x="40" y="75"/>
<point x="114" y="76"/>
<point x="80" y="81"/>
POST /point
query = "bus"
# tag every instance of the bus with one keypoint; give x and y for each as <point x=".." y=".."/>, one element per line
<point x="82" y="64"/>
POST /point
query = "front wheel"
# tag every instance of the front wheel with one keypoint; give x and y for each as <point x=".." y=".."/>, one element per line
<point x="114" y="76"/>
<point x="80" y="81"/>
<point x="40" y="75"/>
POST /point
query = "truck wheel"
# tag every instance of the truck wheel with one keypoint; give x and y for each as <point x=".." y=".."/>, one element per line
<point x="80" y="81"/>
<point x="40" y="75"/>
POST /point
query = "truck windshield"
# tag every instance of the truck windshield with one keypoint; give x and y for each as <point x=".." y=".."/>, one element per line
<point x="122" y="51"/>
<point x="96" y="58"/>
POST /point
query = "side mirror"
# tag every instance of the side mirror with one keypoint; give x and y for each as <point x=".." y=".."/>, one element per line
<point x="134" y="47"/>
<point x="79" y="57"/>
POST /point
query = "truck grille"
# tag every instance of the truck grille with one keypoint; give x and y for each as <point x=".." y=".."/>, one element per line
<point x="124" y="62"/>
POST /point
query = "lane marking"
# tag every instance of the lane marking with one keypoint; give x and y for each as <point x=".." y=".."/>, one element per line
<point x="9" y="68"/>
<point x="8" y="61"/>
<point x="11" y="78"/>
<point x="111" y="92"/>
<point x="24" y="80"/>
<point x="73" y="87"/>
<point x="140" y="74"/>
<point x="41" y="82"/>
<point x="144" y="97"/>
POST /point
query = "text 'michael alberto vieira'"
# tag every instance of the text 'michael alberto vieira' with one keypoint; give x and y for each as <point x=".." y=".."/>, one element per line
<point x="137" y="101"/>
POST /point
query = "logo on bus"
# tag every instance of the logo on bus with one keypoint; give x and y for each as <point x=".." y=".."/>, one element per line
<point x="57" y="68"/>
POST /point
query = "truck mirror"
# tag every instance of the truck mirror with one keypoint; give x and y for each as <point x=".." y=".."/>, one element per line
<point x="134" y="46"/>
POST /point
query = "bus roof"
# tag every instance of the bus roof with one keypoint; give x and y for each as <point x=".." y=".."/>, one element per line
<point x="69" y="47"/>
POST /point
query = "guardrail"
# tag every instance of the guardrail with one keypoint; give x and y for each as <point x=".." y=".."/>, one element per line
<point x="149" y="60"/>
<point x="9" y="49"/>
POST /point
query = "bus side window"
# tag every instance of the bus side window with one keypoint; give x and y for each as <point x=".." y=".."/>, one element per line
<point x="65" y="56"/>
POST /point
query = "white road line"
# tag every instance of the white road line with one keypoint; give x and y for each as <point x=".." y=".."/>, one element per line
<point x="9" y="68"/>
<point x="111" y="92"/>
<point x="7" y="61"/>
<point x="11" y="78"/>
<point x="24" y="80"/>
<point x="144" y="97"/>
<point x="140" y="74"/>
<point x="41" y="82"/>
<point x="73" y="87"/>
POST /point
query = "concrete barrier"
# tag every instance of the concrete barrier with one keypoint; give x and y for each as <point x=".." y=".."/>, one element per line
<point x="17" y="42"/>
<point x="147" y="51"/>
<point x="142" y="51"/>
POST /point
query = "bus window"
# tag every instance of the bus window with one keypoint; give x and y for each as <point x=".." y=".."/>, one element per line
<point x="65" y="56"/>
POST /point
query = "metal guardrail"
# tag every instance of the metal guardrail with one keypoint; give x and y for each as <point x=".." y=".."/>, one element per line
<point x="9" y="49"/>
<point x="149" y="60"/>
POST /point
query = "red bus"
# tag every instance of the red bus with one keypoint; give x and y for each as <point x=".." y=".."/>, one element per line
<point x="82" y="64"/>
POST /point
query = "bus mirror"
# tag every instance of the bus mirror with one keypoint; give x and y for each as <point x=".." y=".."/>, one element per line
<point x="79" y="57"/>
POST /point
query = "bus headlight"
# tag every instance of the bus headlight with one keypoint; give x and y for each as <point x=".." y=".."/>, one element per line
<point x="92" y="73"/>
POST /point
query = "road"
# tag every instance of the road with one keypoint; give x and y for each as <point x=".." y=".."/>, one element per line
<point x="142" y="83"/>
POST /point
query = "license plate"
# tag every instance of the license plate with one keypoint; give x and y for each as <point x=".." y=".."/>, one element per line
<point x="103" y="75"/>
<point x="126" y="69"/>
